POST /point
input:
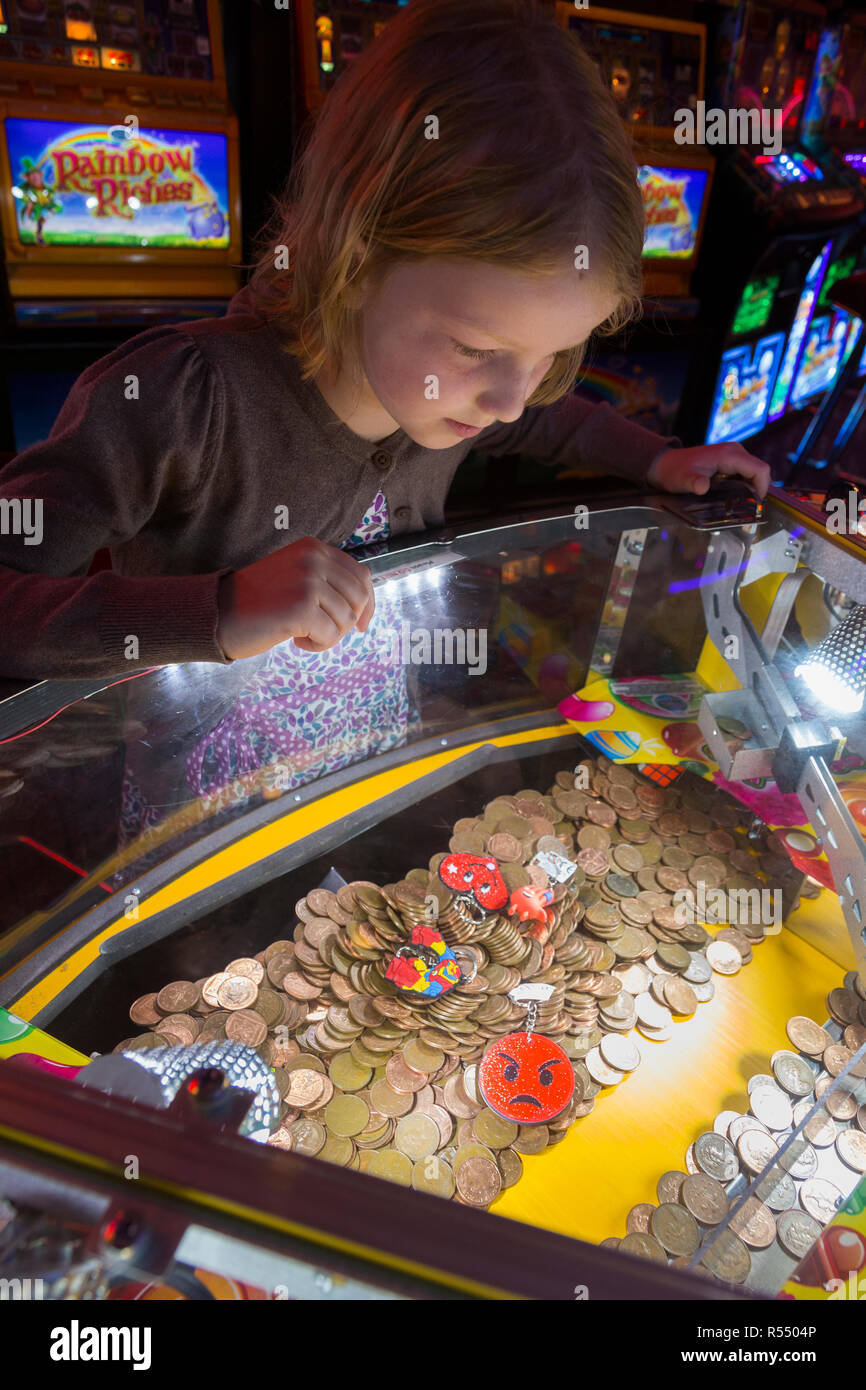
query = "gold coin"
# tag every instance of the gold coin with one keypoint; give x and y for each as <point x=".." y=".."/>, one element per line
<point x="390" y="1164"/>
<point x="245" y="1026"/>
<point x="348" y="1074"/>
<point x="246" y="965"/>
<point x="346" y="1115"/>
<point x="210" y="987"/>
<point x="433" y="1175"/>
<point x="308" y="1136"/>
<point x="416" y="1135"/>
<point x="510" y="1166"/>
<point x="420" y="1057"/>
<point x="388" y="1101"/>
<point x="338" y="1149"/>
<point x="494" y="1131"/>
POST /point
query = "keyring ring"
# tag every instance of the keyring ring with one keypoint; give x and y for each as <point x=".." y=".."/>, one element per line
<point x="460" y="953"/>
<point x="462" y="903"/>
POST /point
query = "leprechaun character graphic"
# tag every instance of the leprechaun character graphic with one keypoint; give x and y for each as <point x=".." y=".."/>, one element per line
<point x="37" y="198"/>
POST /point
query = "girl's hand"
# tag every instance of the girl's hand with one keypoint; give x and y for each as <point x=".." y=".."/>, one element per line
<point x="309" y="591"/>
<point x="690" y="470"/>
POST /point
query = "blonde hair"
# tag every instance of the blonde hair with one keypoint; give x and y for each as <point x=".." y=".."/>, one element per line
<point x="531" y="160"/>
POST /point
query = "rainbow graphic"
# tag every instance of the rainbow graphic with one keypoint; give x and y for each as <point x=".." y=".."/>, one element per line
<point x="105" y="185"/>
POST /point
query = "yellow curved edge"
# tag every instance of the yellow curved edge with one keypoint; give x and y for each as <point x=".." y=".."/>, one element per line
<point x="260" y="844"/>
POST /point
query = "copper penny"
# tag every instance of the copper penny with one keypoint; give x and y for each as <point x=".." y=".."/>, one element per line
<point x="144" y="1011"/>
<point x="244" y="1026"/>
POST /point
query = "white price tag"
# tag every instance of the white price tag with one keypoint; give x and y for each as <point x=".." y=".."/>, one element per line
<point x="556" y="866"/>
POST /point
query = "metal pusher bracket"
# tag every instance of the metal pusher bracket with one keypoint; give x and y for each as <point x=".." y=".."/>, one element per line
<point x="782" y="745"/>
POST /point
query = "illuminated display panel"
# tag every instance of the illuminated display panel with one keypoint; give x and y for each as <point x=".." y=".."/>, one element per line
<point x="742" y="395"/>
<point x="799" y="329"/>
<point x="95" y="185"/>
<point x="755" y="305"/>
<point x="790" y="168"/>
<point x="673" y="199"/>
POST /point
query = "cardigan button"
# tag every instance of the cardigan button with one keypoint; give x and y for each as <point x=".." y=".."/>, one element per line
<point x="402" y="513"/>
<point x="381" y="459"/>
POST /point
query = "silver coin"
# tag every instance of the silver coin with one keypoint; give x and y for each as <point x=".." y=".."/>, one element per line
<point x="777" y="1191"/>
<point x="772" y="1106"/>
<point x="792" y="1072"/>
<point x="762" y="1079"/>
<point x="741" y="1124"/>
<point x="797" y="1232"/>
<point x="716" y="1156"/>
<point x="801" y="1160"/>
<point x="651" y="1013"/>
<point x="699" y="971"/>
<point x="704" y="992"/>
<point x="820" y="1199"/>
<point x="723" y="1120"/>
<point x="657" y="1034"/>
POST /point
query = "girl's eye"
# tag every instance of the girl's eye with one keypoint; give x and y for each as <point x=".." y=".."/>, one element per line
<point x="477" y="354"/>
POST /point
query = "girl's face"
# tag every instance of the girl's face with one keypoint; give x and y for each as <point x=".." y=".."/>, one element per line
<point x="453" y="340"/>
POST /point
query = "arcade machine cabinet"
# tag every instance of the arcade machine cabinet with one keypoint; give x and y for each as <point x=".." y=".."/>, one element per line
<point x="712" y="1143"/>
<point x="776" y="224"/>
<point x="119" y="184"/>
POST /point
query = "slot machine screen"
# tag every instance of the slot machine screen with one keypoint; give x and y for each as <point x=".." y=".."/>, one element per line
<point x="742" y="395"/>
<point x="673" y="199"/>
<point x="755" y="306"/>
<point x="799" y="329"/>
<point x="96" y="185"/>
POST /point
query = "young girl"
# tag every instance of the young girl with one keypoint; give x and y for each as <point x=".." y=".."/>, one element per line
<point x="464" y="218"/>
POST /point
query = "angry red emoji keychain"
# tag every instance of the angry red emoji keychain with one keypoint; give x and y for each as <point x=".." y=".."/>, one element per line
<point x="526" y="1077"/>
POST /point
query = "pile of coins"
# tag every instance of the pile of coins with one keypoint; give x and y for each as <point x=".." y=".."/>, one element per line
<point x="383" y="1081"/>
<point x="795" y="1204"/>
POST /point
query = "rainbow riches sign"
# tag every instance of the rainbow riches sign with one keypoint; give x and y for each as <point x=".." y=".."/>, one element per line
<point x="99" y="185"/>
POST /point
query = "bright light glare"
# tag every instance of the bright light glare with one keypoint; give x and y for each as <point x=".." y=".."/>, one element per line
<point x="829" y="689"/>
